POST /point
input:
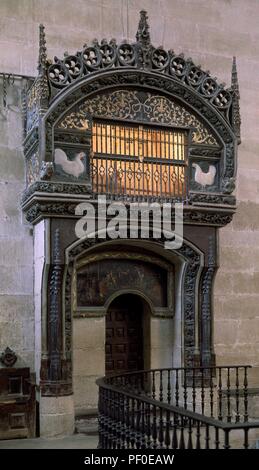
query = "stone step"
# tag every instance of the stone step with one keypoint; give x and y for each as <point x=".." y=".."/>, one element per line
<point x="87" y="425"/>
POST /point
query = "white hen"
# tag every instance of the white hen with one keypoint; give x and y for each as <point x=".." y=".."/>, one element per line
<point x="202" y="178"/>
<point x="71" y="167"/>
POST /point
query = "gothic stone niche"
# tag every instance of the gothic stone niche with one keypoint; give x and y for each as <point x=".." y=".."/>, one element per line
<point x="71" y="163"/>
<point x="191" y="281"/>
<point x="204" y="174"/>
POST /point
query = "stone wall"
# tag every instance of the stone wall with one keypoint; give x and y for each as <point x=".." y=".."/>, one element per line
<point x="16" y="240"/>
<point x="211" y="33"/>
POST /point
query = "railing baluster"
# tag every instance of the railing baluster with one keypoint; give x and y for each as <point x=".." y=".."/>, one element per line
<point x="228" y="396"/>
<point x="109" y="420"/>
<point x="198" y="435"/>
<point x="113" y="421"/>
<point x="132" y="433"/>
<point x="101" y="419"/>
<point x="211" y="394"/>
<point x="138" y="418"/>
<point x="146" y="385"/>
<point x="153" y="385"/>
<point x="127" y="430"/>
<point x="161" y="428"/>
<point x="168" y="387"/>
<point x="154" y="428"/>
<point x="190" y="424"/>
<point x="117" y="424"/>
<point x="123" y="423"/>
<point x="143" y="426"/>
<point x="177" y="388"/>
<point x="237" y="395"/>
<point x="246" y="441"/>
<point x="245" y="395"/>
<point x="207" y="436"/>
<point x="182" y="441"/>
<point x="106" y="420"/>
<point x="202" y="391"/>
<point x="167" y="430"/>
<point x="161" y="395"/>
<point x="193" y="391"/>
<point x="148" y="429"/>
<point x="174" y="436"/>
<point x="226" y="439"/>
<point x="185" y="393"/>
<point x="220" y="395"/>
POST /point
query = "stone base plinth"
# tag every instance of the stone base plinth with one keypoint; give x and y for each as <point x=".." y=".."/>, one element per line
<point x="57" y="417"/>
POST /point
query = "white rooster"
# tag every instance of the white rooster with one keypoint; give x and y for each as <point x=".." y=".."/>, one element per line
<point x="71" y="167"/>
<point x="202" y="178"/>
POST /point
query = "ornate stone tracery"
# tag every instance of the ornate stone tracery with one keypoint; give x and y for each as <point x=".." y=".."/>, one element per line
<point x="131" y="105"/>
<point x="141" y="54"/>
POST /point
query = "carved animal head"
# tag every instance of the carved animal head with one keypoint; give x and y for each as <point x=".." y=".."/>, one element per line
<point x="81" y="156"/>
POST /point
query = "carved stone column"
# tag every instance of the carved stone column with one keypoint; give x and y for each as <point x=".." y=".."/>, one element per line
<point x="207" y="353"/>
<point x="56" y="401"/>
<point x="55" y="381"/>
<point x="55" y="314"/>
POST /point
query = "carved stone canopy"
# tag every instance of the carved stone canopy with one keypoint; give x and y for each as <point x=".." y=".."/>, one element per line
<point x="159" y="86"/>
<point x="59" y="74"/>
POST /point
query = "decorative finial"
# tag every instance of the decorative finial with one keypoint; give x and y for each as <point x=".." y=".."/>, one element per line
<point x="42" y="49"/>
<point x="143" y="35"/>
<point x="236" y="119"/>
<point x="234" y="79"/>
<point x="42" y="80"/>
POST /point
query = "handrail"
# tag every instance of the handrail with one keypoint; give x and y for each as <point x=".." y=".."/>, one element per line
<point x="137" y="413"/>
<point x="112" y="376"/>
<point x="179" y="410"/>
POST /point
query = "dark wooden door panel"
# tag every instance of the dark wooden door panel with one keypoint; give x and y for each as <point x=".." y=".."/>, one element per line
<point x="124" y="336"/>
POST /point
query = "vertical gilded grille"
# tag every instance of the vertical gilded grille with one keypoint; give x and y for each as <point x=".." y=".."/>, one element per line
<point x="138" y="160"/>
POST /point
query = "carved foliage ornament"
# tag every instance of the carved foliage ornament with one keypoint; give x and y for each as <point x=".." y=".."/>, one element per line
<point x="32" y="168"/>
<point x="67" y="209"/>
<point x="132" y="105"/>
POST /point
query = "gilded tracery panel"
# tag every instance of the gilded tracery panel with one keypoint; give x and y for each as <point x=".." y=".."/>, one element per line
<point x="133" y="105"/>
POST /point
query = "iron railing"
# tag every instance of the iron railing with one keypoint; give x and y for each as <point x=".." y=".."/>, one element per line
<point x="139" y="162"/>
<point x="177" y="408"/>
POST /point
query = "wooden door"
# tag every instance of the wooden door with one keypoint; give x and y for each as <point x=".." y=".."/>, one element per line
<point x="124" y="336"/>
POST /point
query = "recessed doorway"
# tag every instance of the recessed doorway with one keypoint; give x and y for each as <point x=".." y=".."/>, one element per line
<point x="124" y="335"/>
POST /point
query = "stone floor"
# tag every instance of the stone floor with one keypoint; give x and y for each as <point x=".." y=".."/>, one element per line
<point x="77" y="441"/>
<point x="85" y="437"/>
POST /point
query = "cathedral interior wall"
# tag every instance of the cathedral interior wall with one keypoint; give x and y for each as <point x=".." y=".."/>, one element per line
<point x="211" y="33"/>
